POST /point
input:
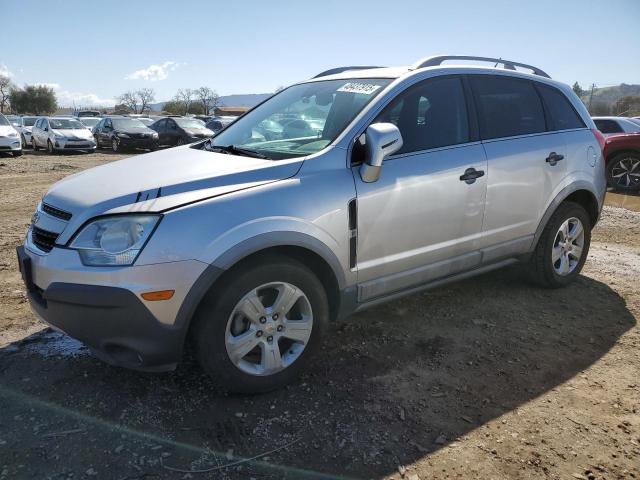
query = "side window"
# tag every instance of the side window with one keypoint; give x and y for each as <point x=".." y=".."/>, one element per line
<point x="562" y="114"/>
<point x="171" y="125"/>
<point x="107" y="123"/>
<point x="507" y="107"/>
<point x="608" y="126"/>
<point x="431" y="114"/>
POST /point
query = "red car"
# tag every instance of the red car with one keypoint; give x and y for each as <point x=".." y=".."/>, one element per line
<point x="622" y="156"/>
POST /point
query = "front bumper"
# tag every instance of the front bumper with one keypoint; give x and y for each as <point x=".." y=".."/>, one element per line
<point x="10" y="144"/>
<point x="146" y="143"/>
<point x="84" y="144"/>
<point x="118" y="325"/>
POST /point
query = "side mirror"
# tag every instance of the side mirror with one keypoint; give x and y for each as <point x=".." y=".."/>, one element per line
<point x="46" y="129"/>
<point x="382" y="140"/>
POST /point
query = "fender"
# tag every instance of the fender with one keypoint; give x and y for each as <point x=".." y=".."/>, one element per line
<point x="559" y="198"/>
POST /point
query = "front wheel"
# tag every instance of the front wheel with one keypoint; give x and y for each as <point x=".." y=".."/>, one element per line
<point x="623" y="172"/>
<point x="258" y="330"/>
<point x="562" y="248"/>
<point x="17" y="153"/>
<point x="115" y="145"/>
<point x="50" y="149"/>
<point x="34" y="145"/>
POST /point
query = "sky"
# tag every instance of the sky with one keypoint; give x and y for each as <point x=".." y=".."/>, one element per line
<point x="90" y="52"/>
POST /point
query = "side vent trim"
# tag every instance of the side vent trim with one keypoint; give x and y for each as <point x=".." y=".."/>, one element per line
<point x="353" y="232"/>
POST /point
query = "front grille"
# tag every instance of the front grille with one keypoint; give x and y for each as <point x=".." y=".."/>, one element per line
<point x="56" y="212"/>
<point x="43" y="239"/>
<point x="139" y="135"/>
<point x="79" y="145"/>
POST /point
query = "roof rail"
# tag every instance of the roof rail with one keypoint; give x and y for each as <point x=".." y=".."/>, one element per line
<point x="336" y="70"/>
<point x="508" y="64"/>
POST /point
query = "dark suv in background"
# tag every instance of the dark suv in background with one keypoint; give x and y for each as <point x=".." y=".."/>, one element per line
<point x="120" y="133"/>
<point x="180" y="130"/>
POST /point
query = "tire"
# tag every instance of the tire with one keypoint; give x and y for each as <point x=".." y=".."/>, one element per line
<point x="115" y="146"/>
<point x="23" y="141"/>
<point x="623" y="172"/>
<point x="50" y="149"/>
<point x="180" y="142"/>
<point x="554" y="263"/>
<point x="95" y="138"/>
<point x="34" y="145"/>
<point x="218" y="316"/>
<point x="18" y="153"/>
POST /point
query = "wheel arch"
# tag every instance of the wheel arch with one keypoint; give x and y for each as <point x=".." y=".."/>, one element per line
<point x="579" y="193"/>
<point x="621" y="151"/>
<point x="300" y="247"/>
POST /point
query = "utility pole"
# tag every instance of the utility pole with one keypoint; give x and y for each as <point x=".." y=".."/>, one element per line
<point x="593" y="85"/>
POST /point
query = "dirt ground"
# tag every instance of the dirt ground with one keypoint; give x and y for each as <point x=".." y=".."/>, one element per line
<point x="486" y="378"/>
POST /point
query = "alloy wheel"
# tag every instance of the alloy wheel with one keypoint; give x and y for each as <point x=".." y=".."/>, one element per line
<point x="626" y="172"/>
<point x="269" y="328"/>
<point x="114" y="145"/>
<point x="568" y="246"/>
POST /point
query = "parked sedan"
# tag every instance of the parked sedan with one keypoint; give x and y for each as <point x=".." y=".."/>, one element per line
<point x="58" y="134"/>
<point x="180" y="131"/>
<point x="120" y="133"/>
<point x="24" y="126"/>
<point x="613" y="125"/>
<point x="9" y="137"/>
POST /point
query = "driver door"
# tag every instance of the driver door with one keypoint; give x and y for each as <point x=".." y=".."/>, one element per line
<point x="420" y="221"/>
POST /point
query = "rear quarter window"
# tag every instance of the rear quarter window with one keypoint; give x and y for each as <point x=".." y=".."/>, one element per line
<point x="608" y="126"/>
<point x="507" y="107"/>
<point x="562" y="115"/>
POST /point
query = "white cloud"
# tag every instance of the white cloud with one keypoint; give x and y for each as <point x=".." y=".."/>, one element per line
<point x="67" y="98"/>
<point x="4" y="71"/>
<point x="153" y="72"/>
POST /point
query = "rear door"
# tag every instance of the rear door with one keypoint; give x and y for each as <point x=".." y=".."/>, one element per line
<point x="420" y="220"/>
<point x="525" y="160"/>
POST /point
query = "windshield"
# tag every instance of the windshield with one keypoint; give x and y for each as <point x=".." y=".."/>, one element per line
<point x="29" y="121"/>
<point x="13" y="119"/>
<point x="65" y="124"/>
<point x="189" y="123"/>
<point x="147" y="121"/>
<point x="301" y="120"/>
<point x="127" y="123"/>
<point x="90" y="121"/>
<point x="3" y="120"/>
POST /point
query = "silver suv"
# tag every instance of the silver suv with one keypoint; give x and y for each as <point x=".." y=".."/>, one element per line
<point x="338" y="193"/>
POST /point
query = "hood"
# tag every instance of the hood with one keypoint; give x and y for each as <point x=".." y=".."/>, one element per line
<point x="5" y="130"/>
<point x="135" y="130"/>
<point x="158" y="181"/>
<point x="72" y="132"/>
<point x="198" y="132"/>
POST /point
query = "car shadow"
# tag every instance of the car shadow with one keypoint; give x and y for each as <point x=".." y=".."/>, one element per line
<point x="392" y="385"/>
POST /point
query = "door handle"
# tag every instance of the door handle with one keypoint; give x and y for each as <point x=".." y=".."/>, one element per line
<point x="470" y="175"/>
<point x="554" y="158"/>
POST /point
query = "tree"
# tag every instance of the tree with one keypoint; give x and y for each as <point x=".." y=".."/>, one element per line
<point x="599" y="109"/>
<point x="628" y="105"/>
<point x="146" y="96"/>
<point x="5" y="91"/>
<point x="208" y="98"/>
<point x="35" y="99"/>
<point x="129" y="100"/>
<point x="578" y="89"/>
<point x="174" y="107"/>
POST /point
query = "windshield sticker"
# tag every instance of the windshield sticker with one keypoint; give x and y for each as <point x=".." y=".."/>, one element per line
<point x="354" y="87"/>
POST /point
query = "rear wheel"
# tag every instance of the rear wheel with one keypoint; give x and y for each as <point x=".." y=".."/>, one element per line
<point x="623" y="172"/>
<point x="562" y="248"/>
<point x="261" y="326"/>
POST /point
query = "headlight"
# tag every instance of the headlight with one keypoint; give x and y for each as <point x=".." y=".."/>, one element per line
<point x="59" y="137"/>
<point x="122" y="135"/>
<point x="114" y="241"/>
<point x="154" y="135"/>
<point x="13" y="134"/>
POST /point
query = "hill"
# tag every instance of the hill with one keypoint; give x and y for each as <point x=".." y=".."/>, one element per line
<point x="238" y="100"/>
<point x="610" y="95"/>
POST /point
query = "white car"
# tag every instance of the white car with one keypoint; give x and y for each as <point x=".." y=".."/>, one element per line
<point x="614" y="125"/>
<point x="9" y="137"/>
<point x="24" y="126"/>
<point x="58" y="134"/>
<point x="89" y="122"/>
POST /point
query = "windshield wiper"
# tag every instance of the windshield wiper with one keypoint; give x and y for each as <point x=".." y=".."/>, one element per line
<point x="239" y="151"/>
